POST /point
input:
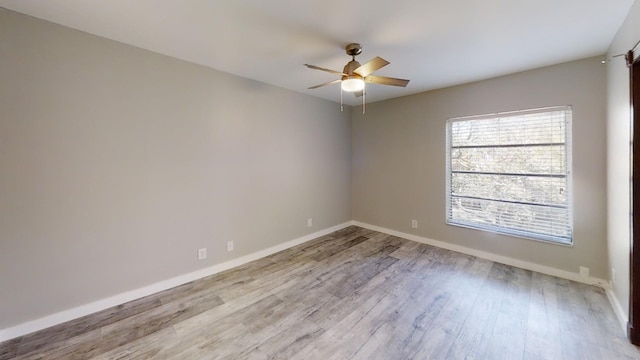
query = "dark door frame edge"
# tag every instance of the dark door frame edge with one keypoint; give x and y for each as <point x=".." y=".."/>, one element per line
<point x="633" y="324"/>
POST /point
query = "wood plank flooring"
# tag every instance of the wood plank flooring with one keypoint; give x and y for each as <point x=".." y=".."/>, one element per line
<point x="353" y="294"/>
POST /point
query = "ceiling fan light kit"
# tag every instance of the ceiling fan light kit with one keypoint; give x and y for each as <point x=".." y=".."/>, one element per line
<point x="354" y="76"/>
<point x="352" y="84"/>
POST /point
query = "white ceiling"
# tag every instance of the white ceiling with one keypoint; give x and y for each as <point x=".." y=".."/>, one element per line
<point x="434" y="43"/>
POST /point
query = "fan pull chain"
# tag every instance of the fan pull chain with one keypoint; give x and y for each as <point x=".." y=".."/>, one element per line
<point x="341" y="106"/>
<point x="364" y="95"/>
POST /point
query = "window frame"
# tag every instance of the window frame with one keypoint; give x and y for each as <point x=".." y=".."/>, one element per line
<point x="557" y="240"/>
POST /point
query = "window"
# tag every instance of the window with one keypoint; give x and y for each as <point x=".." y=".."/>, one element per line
<point x="510" y="173"/>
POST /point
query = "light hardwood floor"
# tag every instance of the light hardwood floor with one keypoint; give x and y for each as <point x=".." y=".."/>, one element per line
<point x="353" y="294"/>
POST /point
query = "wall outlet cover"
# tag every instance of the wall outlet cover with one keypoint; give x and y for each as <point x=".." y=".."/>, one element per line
<point x="584" y="271"/>
<point x="613" y="275"/>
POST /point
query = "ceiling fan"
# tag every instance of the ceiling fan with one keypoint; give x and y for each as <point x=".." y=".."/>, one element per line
<point x="354" y="76"/>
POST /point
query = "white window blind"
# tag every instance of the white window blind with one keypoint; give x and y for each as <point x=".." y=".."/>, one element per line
<point x="510" y="173"/>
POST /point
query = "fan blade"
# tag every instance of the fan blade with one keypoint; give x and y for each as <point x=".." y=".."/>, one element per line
<point x="325" y="84"/>
<point x="323" y="69"/>
<point x="371" y="66"/>
<point x="383" y="80"/>
<point x="358" y="93"/>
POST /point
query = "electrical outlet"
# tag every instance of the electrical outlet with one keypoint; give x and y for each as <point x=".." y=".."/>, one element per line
<point x="414" y="224"/>
<point x="309" y="222"/>
<point x="202" y="253"/>
<point x="229" y="245"/>
<point x="584" y="272"/>
<point x="613" y="275"/>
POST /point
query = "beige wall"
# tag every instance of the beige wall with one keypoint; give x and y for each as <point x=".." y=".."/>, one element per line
<point x="117" y="164"/>
<point x="618" y="156"/>
<point x="399" y="160"/>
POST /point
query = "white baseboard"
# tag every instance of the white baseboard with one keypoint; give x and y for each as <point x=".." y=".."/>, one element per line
<point x="77" y="312"/>
<point x="491" y="256"/>
<point x="618" y="310"/>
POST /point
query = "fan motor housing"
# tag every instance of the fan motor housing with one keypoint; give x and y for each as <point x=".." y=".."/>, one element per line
<point x="350" y="67"/>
